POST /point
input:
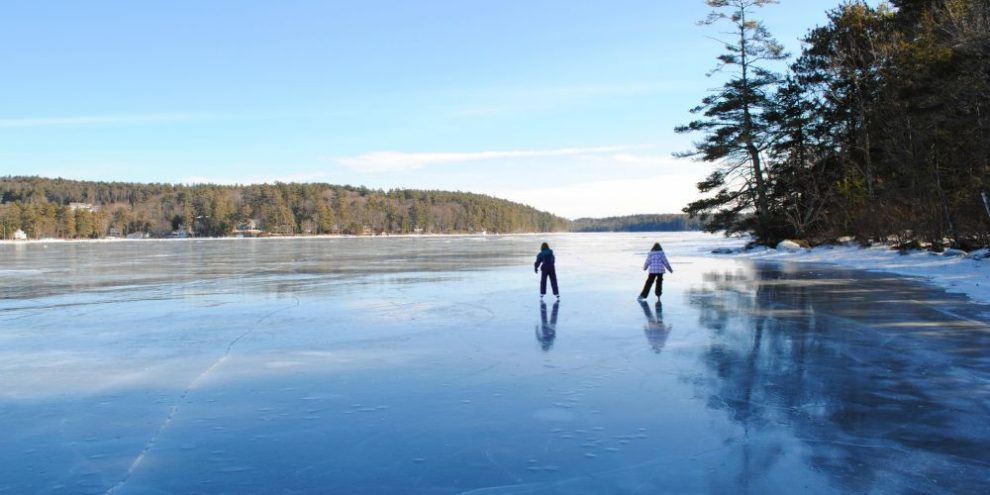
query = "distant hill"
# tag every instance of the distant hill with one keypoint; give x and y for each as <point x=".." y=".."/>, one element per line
<point x="70" y="209"/>
<point x="636" y="223"/>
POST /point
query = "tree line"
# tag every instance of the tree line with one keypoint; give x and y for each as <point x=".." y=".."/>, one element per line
<point x="637" y="223"/>
<point x="877" y="129"/>
<point x="68" y="209"/>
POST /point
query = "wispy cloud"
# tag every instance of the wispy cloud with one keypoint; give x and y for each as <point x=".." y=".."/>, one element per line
<point x="397" y="161"/>
<point x="666" y="161"/>
<point x="101" y="119"/>
<point x="654" y="194"/>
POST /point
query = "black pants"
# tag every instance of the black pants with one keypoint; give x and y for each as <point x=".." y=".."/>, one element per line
<point x="553" y="281"/>
<point x="649" y="281"/>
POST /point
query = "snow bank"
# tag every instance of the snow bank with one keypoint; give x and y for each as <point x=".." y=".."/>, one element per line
<point x="956" y="271"/>
<point x="788" y="246"/>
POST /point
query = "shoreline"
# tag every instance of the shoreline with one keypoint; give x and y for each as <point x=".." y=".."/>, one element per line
<point x="318" y="236"/>
<point x="287" y="237"/>
<point x="954" y="273"/>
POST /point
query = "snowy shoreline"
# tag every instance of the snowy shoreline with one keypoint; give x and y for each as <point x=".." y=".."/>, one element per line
<point x="953" y="271"/>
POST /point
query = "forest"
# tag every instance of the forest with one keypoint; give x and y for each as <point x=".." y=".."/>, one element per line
<point x="637" y="223"/>
<point x="68" y="209"/>
<point x="877" y="129"/>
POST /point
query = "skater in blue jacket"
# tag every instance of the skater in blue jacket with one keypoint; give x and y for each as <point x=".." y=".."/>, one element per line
<point x="545" y="264"/>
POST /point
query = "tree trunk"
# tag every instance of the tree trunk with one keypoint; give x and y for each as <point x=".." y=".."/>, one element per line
<point x="748" y="132"/>
<point x="942" y="199"/>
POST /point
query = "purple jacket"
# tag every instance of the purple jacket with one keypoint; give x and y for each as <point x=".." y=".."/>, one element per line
<point x="656" y="261"/>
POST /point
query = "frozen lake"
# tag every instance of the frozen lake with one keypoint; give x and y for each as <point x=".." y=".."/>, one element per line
<point x="429" y="365"/>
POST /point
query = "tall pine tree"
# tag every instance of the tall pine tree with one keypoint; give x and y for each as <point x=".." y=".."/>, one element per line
<point x="734" y="124"/>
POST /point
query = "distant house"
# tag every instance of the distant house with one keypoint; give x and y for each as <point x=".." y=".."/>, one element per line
<point x="20" y="235"/>
<point x="138" y="235"/>
<point x="81" y="206"/>
<point x="181" y="233"/>
<point x="248" y="229"/>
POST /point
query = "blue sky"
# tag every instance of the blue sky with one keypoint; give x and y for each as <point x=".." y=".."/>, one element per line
<point x="565" y="105"/>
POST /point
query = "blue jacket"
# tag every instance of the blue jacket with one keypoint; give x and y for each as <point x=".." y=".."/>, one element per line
<point x="546" y="259"/>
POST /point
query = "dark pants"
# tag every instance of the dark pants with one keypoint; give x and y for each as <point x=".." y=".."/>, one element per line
<point x="649" y="281"/>
<point x="553" y="281"/>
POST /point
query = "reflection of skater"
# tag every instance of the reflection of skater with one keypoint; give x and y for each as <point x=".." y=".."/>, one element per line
<point x="546" y="332"/>
<point x="656" y="262"/>
<point x="656" y="331"/>
<point x="544" y="262"/>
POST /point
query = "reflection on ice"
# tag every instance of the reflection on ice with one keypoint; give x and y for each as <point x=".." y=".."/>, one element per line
<point x="394" y="365"/>
<point x="868" y="402"/>
<point x="655" y="329"/>
<point x="547" y="330"/>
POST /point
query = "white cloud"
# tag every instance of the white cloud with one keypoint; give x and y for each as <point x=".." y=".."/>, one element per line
<point x="99" y="119"/>
<point x="611" y="180"/>
<point x="648" y="160"/>
<point x="641" y="162"/>
<point x="667" y="193"/>
<point x="396" y="161"/>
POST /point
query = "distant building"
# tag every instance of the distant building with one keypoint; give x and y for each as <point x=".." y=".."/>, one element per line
<point x="20" y="235"/>
<point x="250" y="224"/>
<point x="81" y="206"/>
<point x="138" y="235"/>
<point x="248" y="229"/>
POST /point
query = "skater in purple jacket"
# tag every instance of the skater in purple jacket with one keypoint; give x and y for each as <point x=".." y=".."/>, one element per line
<point x="656" y="263"/>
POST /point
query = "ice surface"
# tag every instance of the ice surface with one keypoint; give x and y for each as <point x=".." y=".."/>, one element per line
<point x="969" y="275"/>
<point x="429" y="365"/>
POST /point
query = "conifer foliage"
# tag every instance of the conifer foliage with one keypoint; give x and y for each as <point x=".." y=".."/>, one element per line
<point x="734" y="121"/>
<point x="878" y="129"/>
<point x="59" y="208"/>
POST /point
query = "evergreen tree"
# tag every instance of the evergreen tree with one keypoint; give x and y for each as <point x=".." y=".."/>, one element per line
<point x="40" y="207"/>
<point x="10" y="219"/>
<point x="324" y="217"/>
<point x="85" y="224"/>
<point x="734" y="124"/>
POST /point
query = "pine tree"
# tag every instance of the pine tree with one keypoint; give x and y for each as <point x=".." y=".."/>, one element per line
<point x="734" y="124"/>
